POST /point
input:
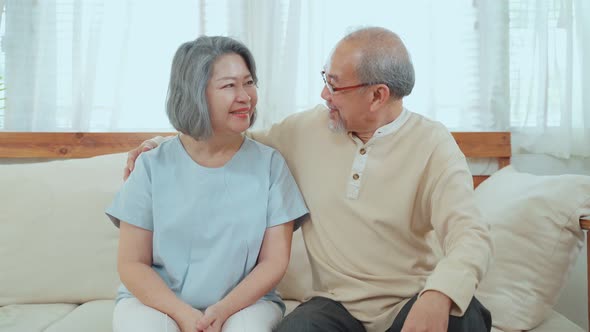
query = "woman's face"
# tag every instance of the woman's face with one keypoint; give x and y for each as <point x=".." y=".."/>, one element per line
<point x="231" y="95"/>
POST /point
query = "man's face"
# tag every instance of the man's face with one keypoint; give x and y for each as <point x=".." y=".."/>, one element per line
<point x="348" y="108"/>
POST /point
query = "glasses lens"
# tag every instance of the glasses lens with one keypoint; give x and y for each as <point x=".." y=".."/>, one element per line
<point x="328" y="85"/>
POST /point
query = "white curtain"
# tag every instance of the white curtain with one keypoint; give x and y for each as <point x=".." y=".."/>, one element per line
<point x="103" y="65"/>
<point x="91" y="65"/>
<point x="281" y="44"/>
<point x="550" y="76"/>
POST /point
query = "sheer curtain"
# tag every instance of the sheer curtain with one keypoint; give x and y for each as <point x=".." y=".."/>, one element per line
<point x="550" y="76"/>
<point x="91" y="65"/>
<point x="103" y="65"/>
<point x="282" y="44"/>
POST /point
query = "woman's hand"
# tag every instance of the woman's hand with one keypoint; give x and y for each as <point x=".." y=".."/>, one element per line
<point x="213" y="319"/>
<point x="188" y="319"/>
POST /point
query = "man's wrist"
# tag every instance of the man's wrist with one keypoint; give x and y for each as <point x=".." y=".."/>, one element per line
<point x="440" y="299"/>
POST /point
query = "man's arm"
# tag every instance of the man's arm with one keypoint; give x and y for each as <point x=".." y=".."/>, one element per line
<point x="465" y="241"/>
<point x="132" y="155"/>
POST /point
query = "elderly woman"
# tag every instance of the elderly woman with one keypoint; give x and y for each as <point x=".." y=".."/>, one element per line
<point x="206" y="219"/>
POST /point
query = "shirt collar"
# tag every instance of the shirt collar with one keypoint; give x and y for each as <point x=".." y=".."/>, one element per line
<point x="394" y="125"/>
<point x="391" y="127"/>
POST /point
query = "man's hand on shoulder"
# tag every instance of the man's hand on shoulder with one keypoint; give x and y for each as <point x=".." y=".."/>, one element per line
<point x="429" y="313"/>
<point x="134" y="154"/>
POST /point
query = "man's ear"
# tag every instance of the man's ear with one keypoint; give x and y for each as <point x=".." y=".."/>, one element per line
<point x="379" y="97"/>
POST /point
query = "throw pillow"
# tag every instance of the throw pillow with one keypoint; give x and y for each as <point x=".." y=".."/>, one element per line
<point x="534" y="222"/>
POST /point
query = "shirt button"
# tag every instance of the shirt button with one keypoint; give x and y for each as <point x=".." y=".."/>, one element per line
<point x="355" y="176"/>
<point x="363" y="151"/>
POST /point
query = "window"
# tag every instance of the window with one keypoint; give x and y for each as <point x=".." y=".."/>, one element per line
<point x="103" y="65"/>
<point x="538" y="53"/>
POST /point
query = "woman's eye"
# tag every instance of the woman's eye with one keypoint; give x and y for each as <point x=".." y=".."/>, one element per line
<point x="250" y="82"/>
<point x="231" y="85"/>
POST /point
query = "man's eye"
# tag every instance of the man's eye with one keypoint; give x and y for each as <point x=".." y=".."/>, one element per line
<point x="231" y="85"/>
<point x="250" y="82"/>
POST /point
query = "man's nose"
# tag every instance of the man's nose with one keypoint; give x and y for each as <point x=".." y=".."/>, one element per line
<point x="326" y="95"/>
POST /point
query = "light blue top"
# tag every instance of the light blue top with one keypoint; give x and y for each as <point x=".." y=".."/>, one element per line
<point x="207" y="223"/>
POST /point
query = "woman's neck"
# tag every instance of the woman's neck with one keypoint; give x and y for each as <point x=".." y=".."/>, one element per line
<point x="215" y="151"/>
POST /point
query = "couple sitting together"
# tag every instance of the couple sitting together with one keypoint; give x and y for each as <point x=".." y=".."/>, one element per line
<point x="206" y="217"/>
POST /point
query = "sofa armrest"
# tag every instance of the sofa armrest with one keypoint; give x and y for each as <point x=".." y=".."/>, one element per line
<point x="585" y="225"/>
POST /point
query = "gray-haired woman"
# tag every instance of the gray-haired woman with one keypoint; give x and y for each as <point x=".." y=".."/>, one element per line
<point x="206" y="219"/>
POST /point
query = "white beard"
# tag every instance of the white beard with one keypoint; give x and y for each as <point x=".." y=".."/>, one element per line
<point x="337" y="125"/>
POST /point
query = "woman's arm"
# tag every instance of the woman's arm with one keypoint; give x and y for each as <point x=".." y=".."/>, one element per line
<point x="268" y="272"/>
<point x="135" y="269"/>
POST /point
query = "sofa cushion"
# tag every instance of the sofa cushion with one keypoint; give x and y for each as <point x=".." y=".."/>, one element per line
<point x="557" y="322"/>
<point x="56" y="244"/>
<point x="32" y="317"/>
<point x="534" y="223"/>
<point x="94" y="316"/>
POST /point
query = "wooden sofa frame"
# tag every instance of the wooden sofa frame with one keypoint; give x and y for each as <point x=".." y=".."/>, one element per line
<point x="81" y="145"/>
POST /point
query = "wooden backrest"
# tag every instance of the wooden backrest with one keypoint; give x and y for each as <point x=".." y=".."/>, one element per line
<point x="494" y="145"/>
<point x="80" y="145"/>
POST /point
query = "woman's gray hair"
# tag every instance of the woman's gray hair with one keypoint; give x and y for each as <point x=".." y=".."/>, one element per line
<point x="384" y="60"/>
<point x="192" y="67"/>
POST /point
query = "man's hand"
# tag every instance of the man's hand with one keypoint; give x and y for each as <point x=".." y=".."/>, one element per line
<point x="133" y="154"/>
<point x="430" y="313"/>
<point x="213" y="319"/>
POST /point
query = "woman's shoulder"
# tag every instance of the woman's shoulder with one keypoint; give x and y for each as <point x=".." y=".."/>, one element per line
<point x="258" y="147"/>
<point x="167" y="151"/>
<point x="261" y="151"/>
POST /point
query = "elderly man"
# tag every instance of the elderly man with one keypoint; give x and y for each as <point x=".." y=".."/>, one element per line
<point x="378" y="180"/>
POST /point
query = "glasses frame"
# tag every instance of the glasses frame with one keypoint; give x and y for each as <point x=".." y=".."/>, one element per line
<point x="332" y="89"/>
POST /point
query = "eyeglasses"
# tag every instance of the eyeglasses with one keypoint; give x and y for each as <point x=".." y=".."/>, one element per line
<point x="333" y="89"/>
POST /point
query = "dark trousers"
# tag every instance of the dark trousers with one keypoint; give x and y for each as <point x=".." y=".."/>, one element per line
<point x="324" y="315"/>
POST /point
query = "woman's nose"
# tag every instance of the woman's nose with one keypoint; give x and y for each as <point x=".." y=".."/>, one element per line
<point x="243" y="95"/>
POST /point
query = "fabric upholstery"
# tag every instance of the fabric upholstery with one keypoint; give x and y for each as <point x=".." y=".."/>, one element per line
<point x="93" y="316"/>
<point x="32" y="317"/>
<point x="56" y="243"/>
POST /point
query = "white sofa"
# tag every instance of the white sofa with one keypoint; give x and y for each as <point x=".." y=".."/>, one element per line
<point x="58" y="251"/>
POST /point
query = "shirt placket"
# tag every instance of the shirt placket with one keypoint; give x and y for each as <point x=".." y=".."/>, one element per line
<point x="358" y="166"/>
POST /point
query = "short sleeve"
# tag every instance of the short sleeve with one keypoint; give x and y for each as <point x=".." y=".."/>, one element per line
<point x="133" y="203"/>
<point x="285" y="202"/>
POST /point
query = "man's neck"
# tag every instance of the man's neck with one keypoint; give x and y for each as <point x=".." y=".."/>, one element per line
<point x="388" y="115"/>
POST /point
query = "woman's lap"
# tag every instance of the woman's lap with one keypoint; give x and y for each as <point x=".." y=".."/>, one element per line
<point x="132" y="315"/>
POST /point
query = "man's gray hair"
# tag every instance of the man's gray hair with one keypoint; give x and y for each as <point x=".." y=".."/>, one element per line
<point x="192" y="67"/>
<point x="384" y="59"/>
